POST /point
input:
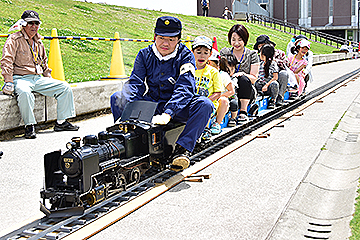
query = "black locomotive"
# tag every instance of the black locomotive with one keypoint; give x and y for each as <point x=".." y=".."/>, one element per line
<point x="106" y="163"/>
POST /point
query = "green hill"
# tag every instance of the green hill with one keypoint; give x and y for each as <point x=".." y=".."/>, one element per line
<point x="90" y="60"/>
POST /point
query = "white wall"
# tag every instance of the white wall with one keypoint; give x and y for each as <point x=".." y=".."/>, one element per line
<point x="187" y="7"/>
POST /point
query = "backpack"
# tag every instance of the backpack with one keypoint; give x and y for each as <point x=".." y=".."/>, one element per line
<point x="204" y="3"/>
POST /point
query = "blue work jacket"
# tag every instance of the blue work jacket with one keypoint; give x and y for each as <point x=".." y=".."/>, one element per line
<point x="160" y="81"/>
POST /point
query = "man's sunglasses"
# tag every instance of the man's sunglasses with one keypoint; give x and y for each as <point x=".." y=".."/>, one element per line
<point x="32" y="23"/>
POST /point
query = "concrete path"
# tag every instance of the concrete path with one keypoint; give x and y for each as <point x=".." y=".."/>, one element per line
<point x="244" y="199"/>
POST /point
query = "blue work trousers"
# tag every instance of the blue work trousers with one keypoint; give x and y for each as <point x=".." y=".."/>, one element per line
<point x="27" y="84"/>
<point x="196" y="115"/>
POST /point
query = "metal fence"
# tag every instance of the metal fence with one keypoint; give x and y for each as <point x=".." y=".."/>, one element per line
<point x="294" y="29"/>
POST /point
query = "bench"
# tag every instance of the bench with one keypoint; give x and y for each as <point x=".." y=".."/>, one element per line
<point x="88" y="97"/>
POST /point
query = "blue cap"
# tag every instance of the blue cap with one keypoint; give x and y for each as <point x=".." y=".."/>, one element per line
<point x="168" y="26"/>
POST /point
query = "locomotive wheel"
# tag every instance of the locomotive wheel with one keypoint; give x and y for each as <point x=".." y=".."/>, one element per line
<point x="135" y="175"/>
<point x="90" y="198"/>
<point x="120" y="181"/>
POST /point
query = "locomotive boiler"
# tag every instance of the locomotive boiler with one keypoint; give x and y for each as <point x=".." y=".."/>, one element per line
<point x="106" y="163"/>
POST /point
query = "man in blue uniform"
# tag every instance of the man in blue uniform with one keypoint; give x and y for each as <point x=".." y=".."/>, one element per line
<point x="164" y="73"/>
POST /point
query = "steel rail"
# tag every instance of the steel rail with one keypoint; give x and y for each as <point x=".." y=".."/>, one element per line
<point x="43" y="228"/>
<point x="122" y="204"/>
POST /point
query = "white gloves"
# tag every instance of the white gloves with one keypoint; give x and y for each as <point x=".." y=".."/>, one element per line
<point x="8" y="88"/>
<point x="162" y="119"/>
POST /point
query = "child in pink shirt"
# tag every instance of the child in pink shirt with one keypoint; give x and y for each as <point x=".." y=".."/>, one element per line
<point x="297" y="63"/>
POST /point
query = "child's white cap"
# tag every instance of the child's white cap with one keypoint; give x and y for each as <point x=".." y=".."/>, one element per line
<point x="202" y="41"/>
<point x="304" y="43"/>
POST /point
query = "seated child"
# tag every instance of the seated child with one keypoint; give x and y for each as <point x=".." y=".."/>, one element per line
<point x="297" y="64"/>
<point x="227" y="67"/>
<point x="228" y="90"/>
<point x="207" y="78"/>
<point x="268" y="75"/>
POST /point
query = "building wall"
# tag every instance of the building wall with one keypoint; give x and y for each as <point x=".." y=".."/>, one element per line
<point x="216" y="7"/>
<point x="342" y="13"/>
<point x="342" y="22"/>
<point x="292" y="11"/>
<point x="278" y="9"/>
<point x="320" y="13"/>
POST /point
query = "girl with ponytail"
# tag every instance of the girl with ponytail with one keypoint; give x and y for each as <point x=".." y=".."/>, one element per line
<point x="267" y="83"/>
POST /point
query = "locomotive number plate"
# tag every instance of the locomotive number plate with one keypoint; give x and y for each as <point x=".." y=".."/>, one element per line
<point x="68" y="160"/>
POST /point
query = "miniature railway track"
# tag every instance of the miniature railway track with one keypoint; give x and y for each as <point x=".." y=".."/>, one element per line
<point x="121" y="204"/>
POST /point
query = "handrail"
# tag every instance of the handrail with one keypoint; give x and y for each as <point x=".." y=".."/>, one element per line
<point x="330" y="40"/>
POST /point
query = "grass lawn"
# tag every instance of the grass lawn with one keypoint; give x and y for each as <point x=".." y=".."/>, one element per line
<point x="355" y="222"/>
<point x="90" y="60"/>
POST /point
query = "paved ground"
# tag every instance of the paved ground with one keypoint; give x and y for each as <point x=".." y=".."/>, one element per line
<point x="243" y="200"/>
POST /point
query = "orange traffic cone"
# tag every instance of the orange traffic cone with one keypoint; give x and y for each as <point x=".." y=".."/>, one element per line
<point x="215" y="44"/>
<point x="117" y="69"/>
<point x="188" y="43"/>
<point x="215" y="47"/>
<point x="55" y="60"/>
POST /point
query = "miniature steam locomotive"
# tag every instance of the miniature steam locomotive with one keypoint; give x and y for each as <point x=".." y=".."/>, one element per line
<point x="107" y="163"/>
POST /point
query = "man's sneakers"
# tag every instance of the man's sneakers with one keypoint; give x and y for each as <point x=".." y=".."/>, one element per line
<point x="65" y="126"/>
<point x="180" y="163"/>
<point x="180" y="160"/>
<point x="30" y="132"/>
<point x="215" y="128"/>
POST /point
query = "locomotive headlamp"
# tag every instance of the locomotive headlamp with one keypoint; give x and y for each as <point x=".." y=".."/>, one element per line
<point x="70" y="145"/>
<point x="77" y="141"/>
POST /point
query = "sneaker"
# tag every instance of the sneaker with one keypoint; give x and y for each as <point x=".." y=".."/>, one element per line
<point x="254" y="110"/>
<point x="303" y="94"/>
<point x="243" y="117"/>
<point x="180" y="160"/>
<point x="30" y="132"/>
<point x="292" y="89"/>
<point x="271" y="104"/>
<point x="232" y="122"/>
<point x="65" y="126"/>
<point x="293" y="95"/>
<point x="279" y="101"/>
<point x="279" y="104"/>
<point x="206" y="135"/>
<point x="215" y="128"/>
